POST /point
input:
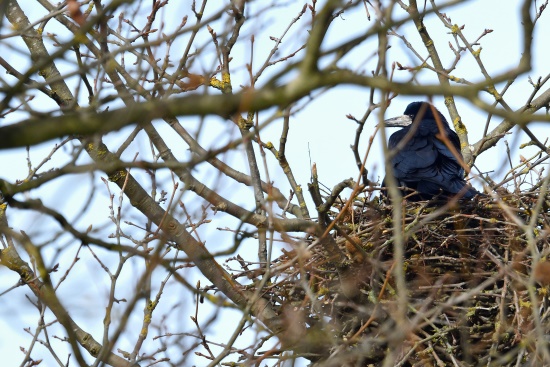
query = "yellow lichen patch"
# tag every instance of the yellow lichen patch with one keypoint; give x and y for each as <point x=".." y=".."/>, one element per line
<point x="101" y="153"/>
<point x="216" y="83"/>
<point x="226" y="78"/>
<point x="117" y="175"/>
<point x="322" y="291"/>
<point x="245" y="124"/>
<point x="459" y="127"/>
<point x="455" y="28"/>
<point x="221" y="84"/>
<point x="151" y="305"/>
<point x="523" y="303"/>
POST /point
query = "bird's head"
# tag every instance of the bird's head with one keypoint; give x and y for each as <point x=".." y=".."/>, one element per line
<point x="415" y="111"/>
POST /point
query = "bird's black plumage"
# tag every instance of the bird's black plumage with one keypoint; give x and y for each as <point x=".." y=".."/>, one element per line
<point x="422" y="161"/>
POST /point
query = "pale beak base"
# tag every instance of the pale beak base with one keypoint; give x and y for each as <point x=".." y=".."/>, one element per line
<point x="399" y="121"/>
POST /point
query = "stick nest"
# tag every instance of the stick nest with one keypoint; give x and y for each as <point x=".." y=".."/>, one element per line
<point x="474" y="289"/>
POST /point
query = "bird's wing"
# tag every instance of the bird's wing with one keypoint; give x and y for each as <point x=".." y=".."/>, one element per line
<point x="416" y="160"/>
<point x="426" y="164"/>
<point x="449" y="162"/>
<point x="424" y="157"/>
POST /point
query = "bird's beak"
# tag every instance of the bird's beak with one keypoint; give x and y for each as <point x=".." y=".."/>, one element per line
<point x="399" y="121"/>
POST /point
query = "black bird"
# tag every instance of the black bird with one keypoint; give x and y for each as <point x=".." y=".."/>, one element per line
<point x="423" y="162"/>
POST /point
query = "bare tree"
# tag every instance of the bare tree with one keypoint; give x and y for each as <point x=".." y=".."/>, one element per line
<point x="136" y="111"/>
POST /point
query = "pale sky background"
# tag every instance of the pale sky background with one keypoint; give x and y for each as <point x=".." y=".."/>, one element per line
<point x="321" y="132"/>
